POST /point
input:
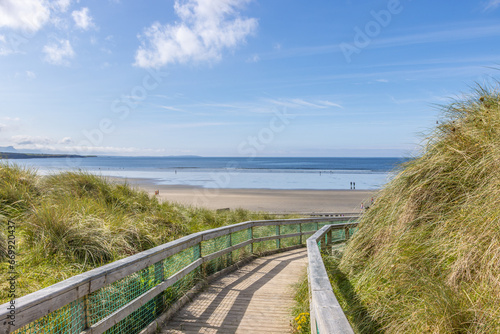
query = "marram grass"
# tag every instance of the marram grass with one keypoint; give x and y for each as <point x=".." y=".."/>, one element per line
<point x="72" y="222"/>
<point x="426" y="256"/>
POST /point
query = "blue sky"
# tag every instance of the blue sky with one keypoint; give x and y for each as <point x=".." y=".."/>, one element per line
<point x="237" y="77"/>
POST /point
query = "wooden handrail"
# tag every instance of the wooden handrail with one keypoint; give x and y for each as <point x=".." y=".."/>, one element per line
<point x="38" y="304"/>
<point x="326" y="314"/>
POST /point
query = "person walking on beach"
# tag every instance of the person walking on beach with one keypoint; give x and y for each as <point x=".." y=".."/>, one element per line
<point x="354" y="185"/>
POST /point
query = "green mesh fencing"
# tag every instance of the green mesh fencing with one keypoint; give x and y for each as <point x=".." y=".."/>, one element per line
<point x="93" y="308"/>
<point x="68" y="319"/>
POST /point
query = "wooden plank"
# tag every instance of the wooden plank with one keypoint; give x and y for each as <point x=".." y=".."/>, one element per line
<point x="259" y="293"/>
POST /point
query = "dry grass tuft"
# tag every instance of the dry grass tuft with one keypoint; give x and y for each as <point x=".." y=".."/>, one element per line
<point x="426" y="257"/>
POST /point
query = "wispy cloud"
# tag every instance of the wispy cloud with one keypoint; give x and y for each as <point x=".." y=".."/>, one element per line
<point x="66" y="141"/>
<point x="331" y="104"/>
<point x="58" y="53"/>
<point x="253" y="59"/>
<point x="61" y="5"/>
<point x="433" y="34"/>
<point x="491" y="5"/>
<point x="205" y="29"/>
<point x="301" y="103"/>
<point x="171" y="108"/>
<point x="197" y="125"/>
<point x="82" y="18"/>
<point x="436" y="36"/>
<point x="31" y="140"/>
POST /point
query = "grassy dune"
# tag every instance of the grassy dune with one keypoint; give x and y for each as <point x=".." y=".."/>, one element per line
<point x="426" y="257"/>
<point x="72" y="222"/>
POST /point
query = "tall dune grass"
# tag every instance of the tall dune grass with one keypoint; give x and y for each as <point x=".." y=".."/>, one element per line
<point x="426" y="256"/>
<point x="71" y="222"/>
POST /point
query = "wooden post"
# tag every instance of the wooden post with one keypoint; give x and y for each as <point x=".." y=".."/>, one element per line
<point x="230" y="254"/>
<point x="159" y="273"/>
<point x="323" y="242"/>
<point x="347" y="236"/>
<point x="203" y="267"/>
<point x="86" y="312"/>
<point x="250" y="237"/>
<point x="300" y="231"/>
<point x="278" y="241"/>
<point x="329" y="237"/>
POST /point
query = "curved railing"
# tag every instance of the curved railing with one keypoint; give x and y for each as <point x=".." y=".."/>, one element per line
<point x="127" y="296"/>
<point x="326" y="314"/>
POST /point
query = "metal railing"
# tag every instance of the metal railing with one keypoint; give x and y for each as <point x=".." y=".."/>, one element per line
<point x="128" y="295"/>
<point x="326" y="314"/>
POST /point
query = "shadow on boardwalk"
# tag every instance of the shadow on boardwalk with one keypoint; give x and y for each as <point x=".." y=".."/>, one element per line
<point x="255" y="298"/>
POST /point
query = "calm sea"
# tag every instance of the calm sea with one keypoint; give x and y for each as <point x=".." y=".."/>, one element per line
<point x="209" y="172"/>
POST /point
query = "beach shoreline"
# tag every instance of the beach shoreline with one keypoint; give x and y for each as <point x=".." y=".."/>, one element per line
<point x="266" y="200"/>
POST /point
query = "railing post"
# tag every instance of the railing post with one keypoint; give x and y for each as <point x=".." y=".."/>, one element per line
<point x="86" y="312"/>
<point x="347" y="236"/>
<point x="159" y="277"/>
<point x="300" y="231"/>
<point x="278" y="241"/>
<point x="323" y="243"/>
<point x="250" y="237"/>
<point x="329" y="237"/>
<point x="230" y="254"/>
<point x="204" y="264"/>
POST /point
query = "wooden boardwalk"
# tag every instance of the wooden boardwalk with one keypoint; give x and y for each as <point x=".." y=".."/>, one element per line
<point x="256" y="298"/>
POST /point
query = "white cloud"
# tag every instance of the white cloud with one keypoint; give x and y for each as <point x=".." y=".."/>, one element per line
<point x="197" y="125"/>
<point x="492" y="4"/>
<point x="24" y="14"/>
<point x="14" y="119"/>
<point x="66" y="140"/>
<point x="30" y="75"/>
<point x="4" y="47"/>
<point x="58" y="53"/>
<point x="253" y="59"/>
<point x="31" y="140"/>
<point x="330" y="104"/>
<point x="82" y="18"/>
<point x="207" y="27"/>
<point x="61" y="5"/>
<point x="301" y="103"/>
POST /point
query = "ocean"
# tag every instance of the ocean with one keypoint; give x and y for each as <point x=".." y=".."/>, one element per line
<point x="245" y="173"/>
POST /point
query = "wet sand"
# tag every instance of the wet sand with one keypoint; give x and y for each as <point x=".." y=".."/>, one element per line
<point x="268" y="200"/>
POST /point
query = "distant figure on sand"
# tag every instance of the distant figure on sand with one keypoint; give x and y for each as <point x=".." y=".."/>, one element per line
<point x="351" y="185"/>
<point x="362" y="206"/>
<point x="354" y="185"/>
<point x="157" y="192"/>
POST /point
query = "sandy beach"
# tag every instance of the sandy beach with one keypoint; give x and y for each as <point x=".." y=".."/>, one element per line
<point x="268" y="200"/>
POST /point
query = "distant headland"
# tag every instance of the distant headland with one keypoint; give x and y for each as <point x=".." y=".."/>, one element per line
<point x="11" y="155"/>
